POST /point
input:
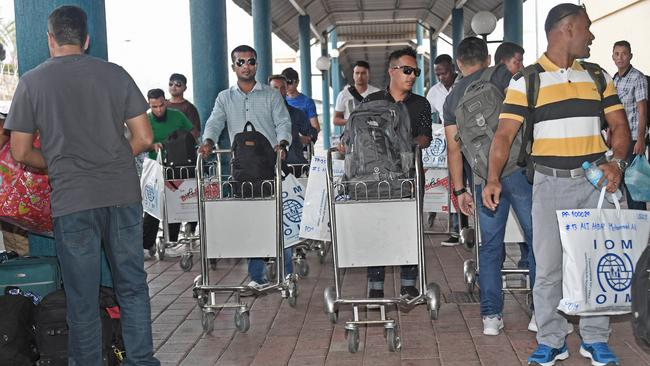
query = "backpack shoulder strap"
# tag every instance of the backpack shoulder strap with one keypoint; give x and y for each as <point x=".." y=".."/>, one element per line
<point x="531" y="78"/>
<point x="596" y="73"/>
<point x="355" y="93"/>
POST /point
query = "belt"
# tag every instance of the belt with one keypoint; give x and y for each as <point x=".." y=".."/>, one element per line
<point x="560" y="173"/>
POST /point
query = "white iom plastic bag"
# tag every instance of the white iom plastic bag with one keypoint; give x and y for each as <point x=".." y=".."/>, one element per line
<point x="315" y="214"/>
<point x="293" y="199"/>
<point x="600" y="250"/>
<point x="152" y="186"/>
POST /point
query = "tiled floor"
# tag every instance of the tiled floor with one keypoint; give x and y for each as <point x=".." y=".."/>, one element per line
<point x="282" y="335"/>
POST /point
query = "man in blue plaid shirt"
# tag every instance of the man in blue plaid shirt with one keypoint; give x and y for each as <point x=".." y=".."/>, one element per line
<point x="632" y="88"/>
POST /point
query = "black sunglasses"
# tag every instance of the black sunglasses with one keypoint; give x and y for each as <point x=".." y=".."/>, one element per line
<point x="175" y="83"/>
<point x="408" y="70"/>
<point x="251" y="61"/>
<point x="290" y="81"/>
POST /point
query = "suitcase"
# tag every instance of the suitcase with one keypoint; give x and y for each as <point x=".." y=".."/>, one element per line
<point x="40" y="275"/>
<point x="41" y="246"/>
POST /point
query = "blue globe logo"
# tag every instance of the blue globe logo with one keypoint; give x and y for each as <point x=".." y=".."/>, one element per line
<point x="615" y="271"/>
<point x="292" y="210"/>
<point x="438" y="146"/>
<point x="149" y="193"/>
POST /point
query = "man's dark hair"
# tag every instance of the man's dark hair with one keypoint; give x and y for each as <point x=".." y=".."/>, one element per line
<point x="155" y="94"/>
<point x="472" y="51"/>
<point x="406" y="51"/>
<point x="242" y="48"/>
<point x="362" y="63"/>
<point x="442" y="59"/>
<point x="290" y="74"/>
<point x="277" y="77"/>
<point x="559" y="12"/>
<point x="68" y="25"/>
<point x="178" y="77"/>
<point x="623" y="44"/>
<point x="506" y="51"/>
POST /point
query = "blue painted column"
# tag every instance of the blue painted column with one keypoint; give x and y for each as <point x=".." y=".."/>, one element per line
<point x="305" y="54"/>
<point x="513" y="21"/>
<point x="261" y="10"/>
<point x="433" y="53"/>
<point x="336" y="75"/>
<point x="419" y="81"/>
<point x="326" y="122"/>
<point x="457" y="28"/>
<point x="210" y="56"/>
<point x="31" y="29"/>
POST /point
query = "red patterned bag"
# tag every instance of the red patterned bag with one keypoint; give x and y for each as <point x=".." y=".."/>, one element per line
<point x="24" y="194"/>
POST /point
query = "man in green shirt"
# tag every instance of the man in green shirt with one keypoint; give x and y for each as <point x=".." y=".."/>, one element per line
<point x="164" y="122"/>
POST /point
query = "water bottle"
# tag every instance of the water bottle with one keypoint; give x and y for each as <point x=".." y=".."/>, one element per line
<point x="593" y="174"/>
<point x="5" y="256"/>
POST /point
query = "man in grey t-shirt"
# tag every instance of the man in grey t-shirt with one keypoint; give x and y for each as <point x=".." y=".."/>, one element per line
<point x="79" y="105"/>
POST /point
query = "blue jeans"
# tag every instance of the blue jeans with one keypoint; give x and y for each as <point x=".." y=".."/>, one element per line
<point x="518" y="193"/>
<point x="257" y="267"/>
<point x="78" y="244"/>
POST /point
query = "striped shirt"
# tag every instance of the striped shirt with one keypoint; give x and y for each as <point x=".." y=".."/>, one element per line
<point x="632" y="87"/>
<point x="567" y="114"/>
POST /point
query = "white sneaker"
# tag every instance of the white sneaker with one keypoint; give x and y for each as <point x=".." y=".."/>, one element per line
<point x="147" y="255"/>
<point x="176" y="251"/>
<point x="492" y="325"/>
<point x="532" y="325"/>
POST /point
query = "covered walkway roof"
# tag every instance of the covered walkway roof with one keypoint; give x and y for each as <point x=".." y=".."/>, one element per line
<point x="370" y="29"/>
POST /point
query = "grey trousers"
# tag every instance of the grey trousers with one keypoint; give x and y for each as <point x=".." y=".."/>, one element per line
<point x="550" y="194"/>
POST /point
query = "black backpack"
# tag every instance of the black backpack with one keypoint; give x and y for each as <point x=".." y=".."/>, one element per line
<point x="378" y="151"/>
<point x="253" y="161"/>
<point x="641" y="299"/>
<point x="180" y="149"/>
<point x="16" y="333"/>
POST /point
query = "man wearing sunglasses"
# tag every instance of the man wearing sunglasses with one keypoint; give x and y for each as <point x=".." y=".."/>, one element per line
<point x="568" y="103"/>
<point x="403" y="71"/>
<point x="248" y="101"/>
<point x="177" y="87"/>
<point x="299" y="100"/>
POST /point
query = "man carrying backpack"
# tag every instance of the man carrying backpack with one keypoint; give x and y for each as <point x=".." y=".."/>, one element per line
<point x="248" y="101"/>
<point x="567" y="118"/>
<point x="459" y="118"/>
<point x="403" y="71"/>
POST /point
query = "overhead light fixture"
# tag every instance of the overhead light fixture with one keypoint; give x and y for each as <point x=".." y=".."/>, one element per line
<point x="334" y="53"/>
<point x="484" y="23"/>
<point x="323" y="63"/>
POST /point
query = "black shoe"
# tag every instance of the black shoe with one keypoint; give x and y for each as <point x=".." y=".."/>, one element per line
<point x="376" y="294"/>
<point x="451" y="242"/>
<point x="409" y="291"/>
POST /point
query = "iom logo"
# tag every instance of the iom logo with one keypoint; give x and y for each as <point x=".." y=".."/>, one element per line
<point x="292" y="210"/>
<point x="615" y="271"/>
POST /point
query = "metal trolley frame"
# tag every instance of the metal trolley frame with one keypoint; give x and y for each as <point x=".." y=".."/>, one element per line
<point x="429" y="293"/>
<point x="204" y="292"/>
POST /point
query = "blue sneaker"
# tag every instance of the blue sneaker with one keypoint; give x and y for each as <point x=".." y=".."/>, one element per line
<point x="599" y="353"/>
<point x="546" y="356"/>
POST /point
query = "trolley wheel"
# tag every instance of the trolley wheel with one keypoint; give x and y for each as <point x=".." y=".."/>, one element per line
<point x="433" y="314"/>
<point x="302" y="268"/>
<point x="333" y="317"/>
<point x="272" y="270"/>
<point x="293" y="293"/>
<point x="213" y="264"/>
<point x="470" y="276"/>
<point x="152" y="251"/>
<point x="321" y="256"/>
<point x="434" y="299"/>
<point x="186" y="262"/>
<point x="207" y="321"/>
<point x="160" y="248"/>
<point x="202" y="300"/>
<point x="352" y="336"/>
<point x="392" y="339"/>
<point x="242" y="320"/>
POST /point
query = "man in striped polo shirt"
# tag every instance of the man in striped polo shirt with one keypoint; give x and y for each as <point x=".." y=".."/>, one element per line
<point x="566" y="133"/>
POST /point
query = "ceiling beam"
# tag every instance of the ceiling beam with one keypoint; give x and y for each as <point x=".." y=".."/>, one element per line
<point x="302" y="11"/>
<point x="459" y="4"/>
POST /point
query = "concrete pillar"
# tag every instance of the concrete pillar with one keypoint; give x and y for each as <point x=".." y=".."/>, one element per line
<point x="457" y="28"/>
<point x="305" y="54"/>
<point x="210" y="56"/>
<point x="433" y="53"/>
<point x="336" y="76"/>
<point x="31" y="29"/>
<point x="513" y="21"/>
<point x="326" y="122"/>
<point x="419" y="81"/>
<point x="261" y="10"/>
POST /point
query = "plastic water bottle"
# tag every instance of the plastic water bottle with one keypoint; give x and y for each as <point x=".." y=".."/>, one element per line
<point x="593" y="174"/>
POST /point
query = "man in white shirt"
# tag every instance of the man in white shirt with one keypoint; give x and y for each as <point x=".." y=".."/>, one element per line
<point x="350" y="97"/>
<point x="446" y="75"/>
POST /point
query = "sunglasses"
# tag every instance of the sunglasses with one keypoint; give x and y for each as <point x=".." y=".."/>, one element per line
<point x="408" y="70"/>
<point x="176" y="83"/>
<point x="251" y="61"/>
<point x="291" y="82"/>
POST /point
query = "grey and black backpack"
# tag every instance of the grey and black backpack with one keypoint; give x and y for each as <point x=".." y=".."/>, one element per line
<point x="379" y="152"/>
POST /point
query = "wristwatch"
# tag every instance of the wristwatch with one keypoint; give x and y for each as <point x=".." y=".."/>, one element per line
<point x="460" y="191"/>
<point x="622" y="164"/>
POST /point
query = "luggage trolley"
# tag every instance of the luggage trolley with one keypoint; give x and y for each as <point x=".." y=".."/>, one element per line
<point x="172" y="175"/>
<point x="377" y="232"/>
<point x="225" y="237"/>
<point x="471" y="238"/>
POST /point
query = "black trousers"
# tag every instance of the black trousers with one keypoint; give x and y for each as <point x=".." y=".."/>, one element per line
<point x="150" y="227"/>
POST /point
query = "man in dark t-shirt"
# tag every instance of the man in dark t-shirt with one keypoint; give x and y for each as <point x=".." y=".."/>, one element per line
<point x="79" y="105"/>
<point x="177" y="87"/>
<point x="403" y="71"/>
